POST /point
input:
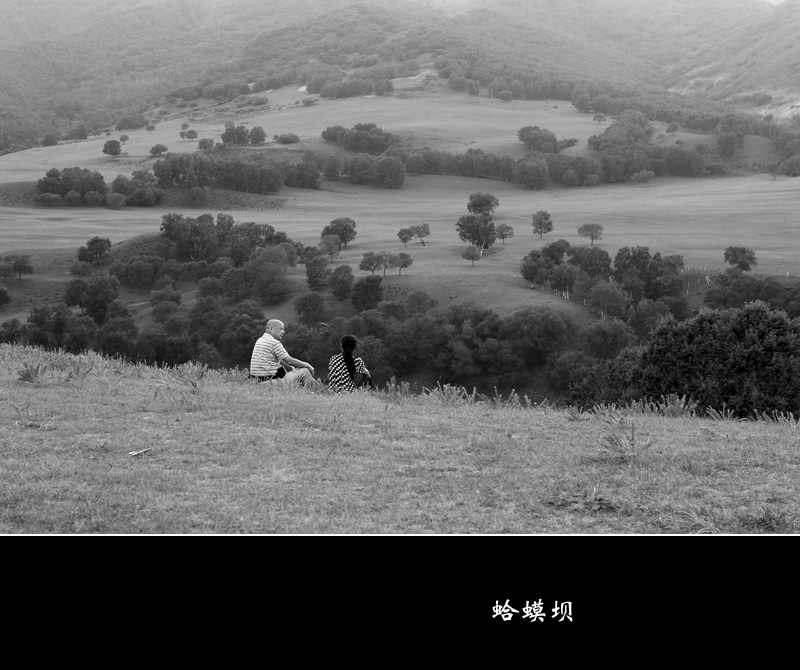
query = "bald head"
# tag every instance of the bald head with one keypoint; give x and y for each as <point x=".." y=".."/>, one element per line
<point x="275" y="328"/>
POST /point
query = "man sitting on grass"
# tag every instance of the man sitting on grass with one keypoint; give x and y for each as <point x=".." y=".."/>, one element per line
<point x="269" y="358"/>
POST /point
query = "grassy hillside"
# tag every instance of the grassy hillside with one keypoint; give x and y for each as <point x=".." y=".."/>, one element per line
<point x="91" y="445"/>
<point x="760" y="55"/>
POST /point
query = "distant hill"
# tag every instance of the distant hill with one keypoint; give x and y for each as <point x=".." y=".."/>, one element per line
<point x="90" y="63"/>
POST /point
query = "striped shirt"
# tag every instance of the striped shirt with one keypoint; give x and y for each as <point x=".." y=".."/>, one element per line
<point x="338" y="376"/>
<point x="267" y="354"/>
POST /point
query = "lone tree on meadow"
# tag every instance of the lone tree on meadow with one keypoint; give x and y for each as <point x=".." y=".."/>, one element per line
<point x="472" y="253"/>
<point x="343" y="228"/>
<point x="594" y="231"/>
<point x="20" y="265"/>
<point x="123" y="139"/>
<point x="482" y="203"/>
<point x="421" y="231"/>
<point x="405" y="235"/>
<point x="158" y="149"/>
<point x="504" y="231"/>
<point x="112" y="148"/>
<point x="542" y="223"/>
<point x="740" y="258"/>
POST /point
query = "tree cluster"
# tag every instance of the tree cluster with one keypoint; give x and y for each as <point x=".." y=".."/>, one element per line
<point x="626" y="290"/>
<point x="361" y="138"/>
<point x="249" y="173"/>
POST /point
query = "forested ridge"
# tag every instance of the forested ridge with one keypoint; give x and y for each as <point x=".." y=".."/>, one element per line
<point x="91" y="62"/>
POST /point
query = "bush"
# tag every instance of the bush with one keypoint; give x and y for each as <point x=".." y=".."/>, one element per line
<point x="746" y="360"/>
<point x="48" y="199"/>
<point x="288" y="138"/>
<point x="115" y="200"/>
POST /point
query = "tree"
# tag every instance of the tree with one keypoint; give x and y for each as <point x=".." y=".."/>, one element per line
<point x="258" y="136"/>
<point x="112" y="148"/>
<point x="236" y="283"/>
<point x="420" y="302"/>
<point x="310" y="307"/>
<point x="740" y="257"/>
<point x="332" y="168"/>
<point x="531" y="173"/>
<point x="341" y="282"/>
<point x="389" y="172"/>
<point x="607" y="300"/>
<point x="191" y="134"/>
<point x="151" y="128"/>
<point x="93" y="296"/>
<point x="594" y="231"/>
<point x="6" y="271"/>
<point x="367" y="293"/>
<point x="115" y="200"/>
<point x="504" y="231"/>
<point x="596" y="263"/>
<point x="421" y="231"/>
<point x="405" y="235"/>
<point x="401" y="261"/>
<point x="159" y="149"/>
<point x="343" y="228"/>
<point x="317" y="272"/>
<point x="96" y="249"/>
<point x="371" y="262"/>
<point x="330" y="245"/>
<point x="304" y="174"/>
<point x="477" y="230"/>
<point x="482" y="203"/>
<point x="538" y="139"/>
<point x="472" y="254"/>
<point x="542" y="223"/>
<point x="5" y="296"/>
<point x="21" y="265"/>
<point x="205" y="144"/>
<point x="123" y="139"/>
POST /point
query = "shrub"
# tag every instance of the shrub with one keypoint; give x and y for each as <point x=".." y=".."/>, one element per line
<point x="746" y="360"/>
<point x="115" y="200"/>
<point x="288" y="138"/>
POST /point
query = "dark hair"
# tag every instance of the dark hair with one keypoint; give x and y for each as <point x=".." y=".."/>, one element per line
<point x="349" y="343"/>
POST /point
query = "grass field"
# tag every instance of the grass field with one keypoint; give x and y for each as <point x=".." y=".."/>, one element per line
<point x="90" y="445"/>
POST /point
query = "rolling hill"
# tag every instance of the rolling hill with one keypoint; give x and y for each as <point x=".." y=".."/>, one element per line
<point x="91" y="62"/>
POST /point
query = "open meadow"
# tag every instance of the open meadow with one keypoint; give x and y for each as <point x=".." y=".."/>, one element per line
<point x="93" y="445"/>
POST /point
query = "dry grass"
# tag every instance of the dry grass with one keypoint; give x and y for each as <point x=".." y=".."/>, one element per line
<point x="89" y="445"/>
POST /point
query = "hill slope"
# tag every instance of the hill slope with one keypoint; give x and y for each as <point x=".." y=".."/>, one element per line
<point x="92" y="445"/>
<point x="96" y="61"/>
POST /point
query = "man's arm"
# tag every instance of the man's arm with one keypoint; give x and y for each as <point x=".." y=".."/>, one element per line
<point x="297" y="363"/>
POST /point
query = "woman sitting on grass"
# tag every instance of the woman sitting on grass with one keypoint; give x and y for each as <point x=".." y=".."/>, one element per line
<point x="346" y="373"/>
